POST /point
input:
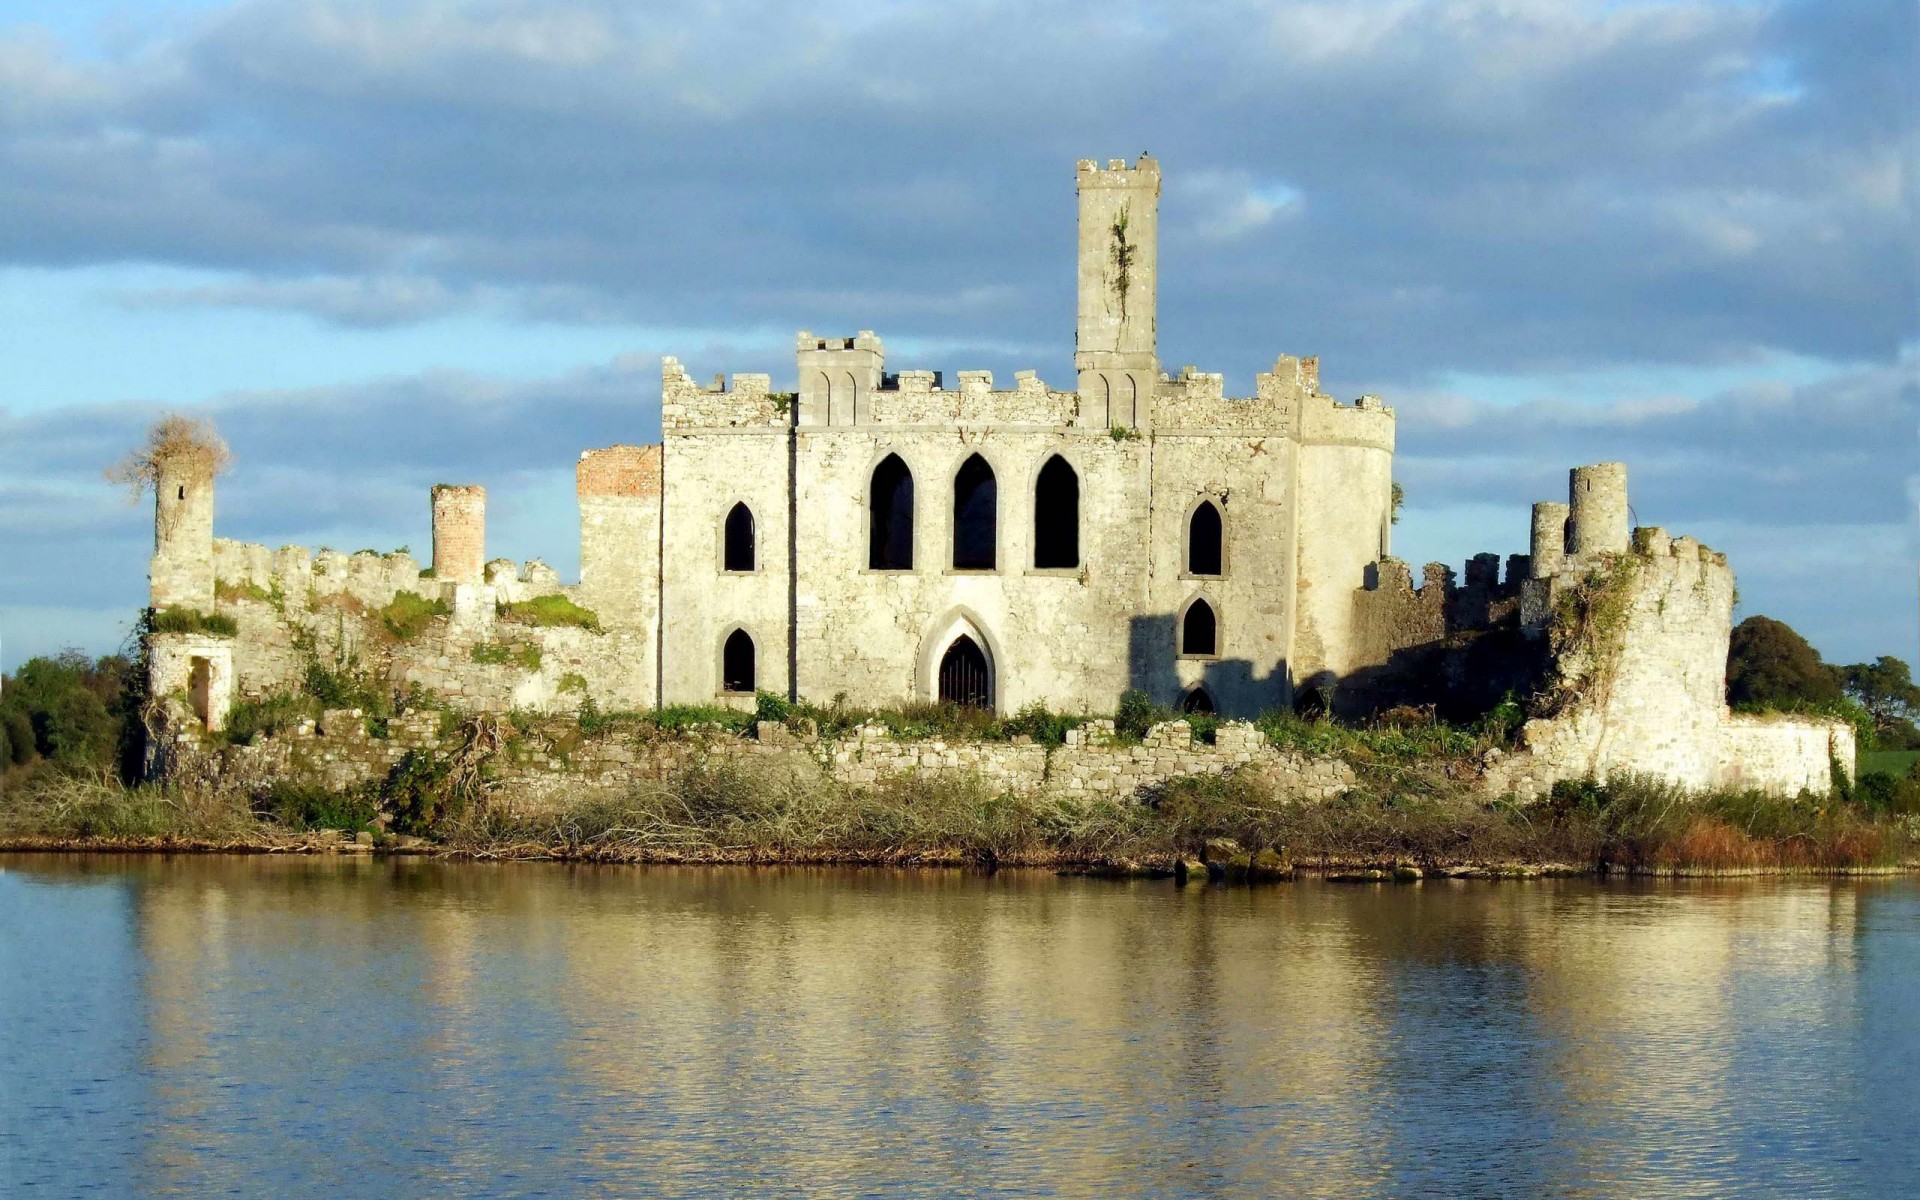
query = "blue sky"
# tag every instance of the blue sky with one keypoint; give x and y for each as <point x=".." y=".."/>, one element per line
<point x="390" y="244"/>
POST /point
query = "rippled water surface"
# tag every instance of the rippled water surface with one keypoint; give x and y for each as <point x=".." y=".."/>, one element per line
<point x="275" y="1027"/>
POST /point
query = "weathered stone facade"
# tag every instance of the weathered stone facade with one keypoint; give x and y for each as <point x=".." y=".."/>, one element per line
<point x="879" y="538"/>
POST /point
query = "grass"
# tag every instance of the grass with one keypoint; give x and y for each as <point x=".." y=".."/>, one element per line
<point x="56" y="805"/>
<point x="755" y="810"/>
<point x="408" y="614"/>
<point x="187" y="620"/>
<point x="550" y="611"/>
<point x="726" y="809"/>
<point x="227" y="592"/>
<point x="524" y="655"/>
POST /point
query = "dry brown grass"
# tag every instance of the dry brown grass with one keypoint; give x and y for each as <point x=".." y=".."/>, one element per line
<point x="174" y="439"/>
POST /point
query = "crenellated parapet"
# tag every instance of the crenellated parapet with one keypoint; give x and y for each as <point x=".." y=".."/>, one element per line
<point x="1287" y="402"/>
<point x="917" y="398"/>
<point x="748" y="404"/>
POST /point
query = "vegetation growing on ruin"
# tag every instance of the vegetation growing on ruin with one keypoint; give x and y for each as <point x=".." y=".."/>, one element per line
<point x="228" y="592"/>
<point x="174" y="440"/>
<point x="187" y="620"/>
<point x="1587" y="631"/>
<point x="550" y="611"/>
<point x="525" y="655"/>
<point x="408" y="614"/>
<point x="1125" y="433"/>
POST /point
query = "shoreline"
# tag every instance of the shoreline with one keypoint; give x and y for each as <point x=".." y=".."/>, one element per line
<point x="1321" y="869"/>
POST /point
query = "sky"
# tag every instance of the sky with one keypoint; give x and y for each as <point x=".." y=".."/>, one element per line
<point x="389" y="244"/>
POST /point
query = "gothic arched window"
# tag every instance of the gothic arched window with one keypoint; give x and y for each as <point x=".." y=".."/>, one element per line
<point x="1056" y="515"/>
<point x="975" y="514"/>
<point x="739" y="539"/>
<point x="1199" y="629"/>
<point x="890" y="535"/>
<point x="1204" y="540"/>
<point x="737" y="662"/>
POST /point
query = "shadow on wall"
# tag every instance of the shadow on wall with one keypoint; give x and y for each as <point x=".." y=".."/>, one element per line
<point x="1462" y="676"/>
<point x="1231" y="683"/>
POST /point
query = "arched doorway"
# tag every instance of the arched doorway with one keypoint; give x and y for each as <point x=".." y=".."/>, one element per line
<point x="963" y="675"/>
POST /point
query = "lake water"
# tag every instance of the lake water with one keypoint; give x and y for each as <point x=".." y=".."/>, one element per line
<point x="317" y="1027"/>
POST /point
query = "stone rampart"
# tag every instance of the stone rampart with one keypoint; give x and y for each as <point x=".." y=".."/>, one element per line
<point x="1640" y="653"/>
<point x="340" y="751"/>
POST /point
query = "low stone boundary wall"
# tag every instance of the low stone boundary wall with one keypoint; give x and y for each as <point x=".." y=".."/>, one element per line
<point x="339" y="752"/>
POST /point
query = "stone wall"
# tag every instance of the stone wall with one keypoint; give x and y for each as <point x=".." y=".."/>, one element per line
<point x="339" y="752"/>
<point x="1643" y="689"/>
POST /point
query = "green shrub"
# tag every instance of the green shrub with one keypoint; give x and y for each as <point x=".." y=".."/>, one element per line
<point x="249" y="719"/>
<point x="1136" y="714"/>
<point x="408" y="614"/>
<point x="419" y="793"/>
<point x="550" y="611"/>
<point x="573" y="681"/>
<point x="19" y="731"/>
<point x="304" y="806"/>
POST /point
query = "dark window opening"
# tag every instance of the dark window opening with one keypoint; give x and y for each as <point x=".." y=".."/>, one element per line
<point x="963" y="675"/>
<point x="1203" y="540"/>
<point x="1056" y="516"/>
<point x="890" y="539"/>
<point x="739" y="552"/>
<point x="183" y="492"/>
<point x="975" y="501"/>
<point x="1196" y="701"/>
<point x="736" y="663"/>
<point x="1199" y="632"/>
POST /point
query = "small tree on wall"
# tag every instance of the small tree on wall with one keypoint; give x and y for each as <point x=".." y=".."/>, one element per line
<point x="175" y="441"/>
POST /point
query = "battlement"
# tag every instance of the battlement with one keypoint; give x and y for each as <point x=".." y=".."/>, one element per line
<point x="1145" y="171"/>
<point x="749" y="403"/>
<point x="1287" y="402"/>
<point x="866" y="339"/>
<point x="916" y="398"/>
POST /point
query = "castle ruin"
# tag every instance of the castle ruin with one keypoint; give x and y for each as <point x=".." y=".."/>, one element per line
<point x="880" y="538"/>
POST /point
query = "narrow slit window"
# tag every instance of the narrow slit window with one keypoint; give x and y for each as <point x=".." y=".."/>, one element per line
<point x="1056" y="516"/>
<point x="1203" y="540"/>
<point x="739" y="538"/>
<point x="737" y="663"/>
<point x="890" y="537"/>
<point x="975" y="505"/>
<point x="1199" y="630"/>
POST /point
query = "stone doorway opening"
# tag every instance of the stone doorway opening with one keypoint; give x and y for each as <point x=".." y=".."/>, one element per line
<point x="963" y="675"/>
<point x="200" y="690"/>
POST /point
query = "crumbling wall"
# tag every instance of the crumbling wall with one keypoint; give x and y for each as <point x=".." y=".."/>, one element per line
<point x="339" y="751"/>
<point x="1640" y="641"/>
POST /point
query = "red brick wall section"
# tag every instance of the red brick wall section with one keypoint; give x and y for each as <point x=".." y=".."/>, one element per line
<point x="620" y="471"/>
<point x="459" y="533"/>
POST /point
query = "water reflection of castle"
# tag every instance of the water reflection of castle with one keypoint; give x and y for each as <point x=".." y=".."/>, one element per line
<point x="761" y="1032"/>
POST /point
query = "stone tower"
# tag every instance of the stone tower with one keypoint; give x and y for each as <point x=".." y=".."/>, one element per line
<point x="1115" y="347"/>
<point x="182" y="569"/>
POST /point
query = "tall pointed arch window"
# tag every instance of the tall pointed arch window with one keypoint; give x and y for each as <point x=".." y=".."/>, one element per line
<point x="890" y="534"/>
<point x="1199" y="630"/>
<point x="1056" y="516"/>
<point x="737" y="663"/>
<point x="976" y="504"/>
<point x="1205" y="540"/>
<point x="737" y="553"/>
